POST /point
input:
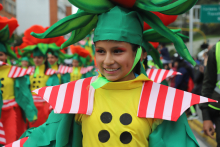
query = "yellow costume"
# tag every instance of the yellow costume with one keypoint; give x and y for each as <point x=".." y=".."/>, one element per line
<point x="75" y="74"/>
<point x="56" y="67"/>
<point x="114" y="121"/>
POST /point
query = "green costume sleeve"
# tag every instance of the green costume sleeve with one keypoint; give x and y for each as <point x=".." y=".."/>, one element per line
<point x="65" y="78"/>
<point x="53" y="80"/>
<point x="24" y="98"/>
<point x="1" y="100"/>
<point x="172" y="134"/>
<point x="60" y="130"/>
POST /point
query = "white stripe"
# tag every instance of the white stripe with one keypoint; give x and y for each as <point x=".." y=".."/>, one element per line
<point x="2" y="132"/>
<point x="47" y="93"/>
<point x="154" y="74"/>
<point x="48" y="71"/>
<point x="36" y="97"/>
<point x="39" y="101"/>
<point x="159" y="80"/>
<point x="16" y="144"/>
<point x="148" y="72"/>
<point x="2" y="140"/>
<point x="6" y="101"/>
<point x="168" y="107"/>
<point x="140" y="97"/>
<point x="1" y="125"/>
<point x="76" y="96"/>
<point x="22" y="72"/>
<point x="36" y="91"/>
<point x="91" y="97"/>
<point x="9" y="104"/>
<point x="178" y="73"/>
<point x="187" y="97"/>
<point x="11" y="71"/>
<point x="203" y="99"/>
<point x="60" y="98"/>
<point x="70" y="70"/>
<point x="153" y="100"/>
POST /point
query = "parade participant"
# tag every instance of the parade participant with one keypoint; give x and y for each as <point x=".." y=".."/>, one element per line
<point x="14" y="94"/>
<point x="120" y="107"/>
<point x="211" y="88"/>
<point x="43" y="75"/>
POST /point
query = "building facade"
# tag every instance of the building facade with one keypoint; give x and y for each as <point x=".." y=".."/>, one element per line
<point x="40" y="12"/>
<point x="9" y="8"/>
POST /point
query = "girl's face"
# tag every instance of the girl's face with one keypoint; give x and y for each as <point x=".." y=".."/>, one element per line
<point x="38" y="60"/>
<point x="51" y="59"/>
<point x="3" y="57"/>
<point x="114" y="60"/>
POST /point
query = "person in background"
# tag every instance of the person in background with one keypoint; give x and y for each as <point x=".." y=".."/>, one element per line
<point x="211" y="88"/>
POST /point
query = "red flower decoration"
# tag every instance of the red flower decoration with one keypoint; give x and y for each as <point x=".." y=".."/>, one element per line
<point x="80" y="51"/>
<point x="154" y="44"/>
<point x="30" y="40"/>
<point x="166" y="19"/>
<point x="12" y="24"/>
<point x="125" y="3"/>
<point x="1" y="7"/>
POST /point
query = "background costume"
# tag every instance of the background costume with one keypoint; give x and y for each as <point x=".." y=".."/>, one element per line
<point x="13" y="96"/>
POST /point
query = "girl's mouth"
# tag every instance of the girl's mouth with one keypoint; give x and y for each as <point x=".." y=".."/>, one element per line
<point x="111" y="70"/>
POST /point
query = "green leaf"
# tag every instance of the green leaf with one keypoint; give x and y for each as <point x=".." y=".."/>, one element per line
<point x="10" y="52"/>
<point x="66" y="25"/>
<point x="93" y="6"/>
<point x="149" y="6"/>
<point x="4" y="34"/>
<point x="160" y="2"/>
<point x="158" y="26"/>
<point x="81" y="33"/>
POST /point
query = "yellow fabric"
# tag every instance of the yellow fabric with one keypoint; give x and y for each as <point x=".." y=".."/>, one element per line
<point x="73" y="76"/>
<point x="117" y="98"/>
<point x="7" y="83"/>
<point x="40" y="80"/>
<point x="56" y="67"/>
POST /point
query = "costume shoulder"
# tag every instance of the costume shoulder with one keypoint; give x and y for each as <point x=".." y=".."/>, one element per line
<point x="156" y="100"/>
<point x="73" y="97"/>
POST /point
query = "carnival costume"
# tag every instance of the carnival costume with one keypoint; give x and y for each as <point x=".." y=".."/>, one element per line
<point x="127" y="113"/>
<point x="16" y="101"/>
<point x="43" y="75"/>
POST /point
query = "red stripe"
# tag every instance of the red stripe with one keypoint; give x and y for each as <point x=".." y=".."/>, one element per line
<point x="10" y="71"/>
<point x="145" y="99"/>
<point x="211" y="100"/>
<point x="165" y="75"/>
<point x="161" y="102"/>
<point x="41" y="92"/>
<point x="14" y="72"/>
<point x="177" y="104"/>
<point x="151" y="72"/>
<point x="53" y="95"/>
<point x="23" y="140"/>
<point x="83" y="106"/>
<point x="2" y="136"/>
<point x="195" y="99"/>
<point x="68" y="97"/>
<point x="25" y="72"/>
<point x="157" y="75"/>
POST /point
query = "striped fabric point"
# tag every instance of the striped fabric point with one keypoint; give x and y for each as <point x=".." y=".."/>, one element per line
<point x="50" y="72"/>
<point x="2" y="63"/>
<point x="73" y="97"/>
<point x="158" y="75"/>
<point x="163" y="102"/>
<point x="8" y="103"/>
<point x="18" y="143"/>
<point x="16" y="72"/>
<point x="2" y="134"/>
<point x="64" y="69"/>
<point x="86" y="69"/>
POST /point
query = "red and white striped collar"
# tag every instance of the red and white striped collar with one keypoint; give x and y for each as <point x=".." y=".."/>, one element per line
<point x="3" y="63"/>
<point x="66" y="69"/>
<point x="156" y="100"/>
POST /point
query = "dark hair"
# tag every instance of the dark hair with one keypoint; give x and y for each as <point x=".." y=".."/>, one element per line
<point x="137" y="68"/>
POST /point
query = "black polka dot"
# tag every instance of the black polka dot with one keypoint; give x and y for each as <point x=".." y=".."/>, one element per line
<point x="103" y="136"/>
<point x="2" y="91"/>
<point x="34" y="82"/>
<point x="125" y="137"/>
<point x="106" y="117"/>
<point x="39" y="76"/>
<point x="2" y="79"/>
<point x="2" y="85"/>
<point x="33" y="86"/>
<point x="38" y="81"/>
<point x="37" y="86"/>
<point x="125" y="119"/>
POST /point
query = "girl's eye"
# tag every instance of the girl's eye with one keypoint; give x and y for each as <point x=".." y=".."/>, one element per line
<point x="117" y="51"/>
<point x="100" y="51"/>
